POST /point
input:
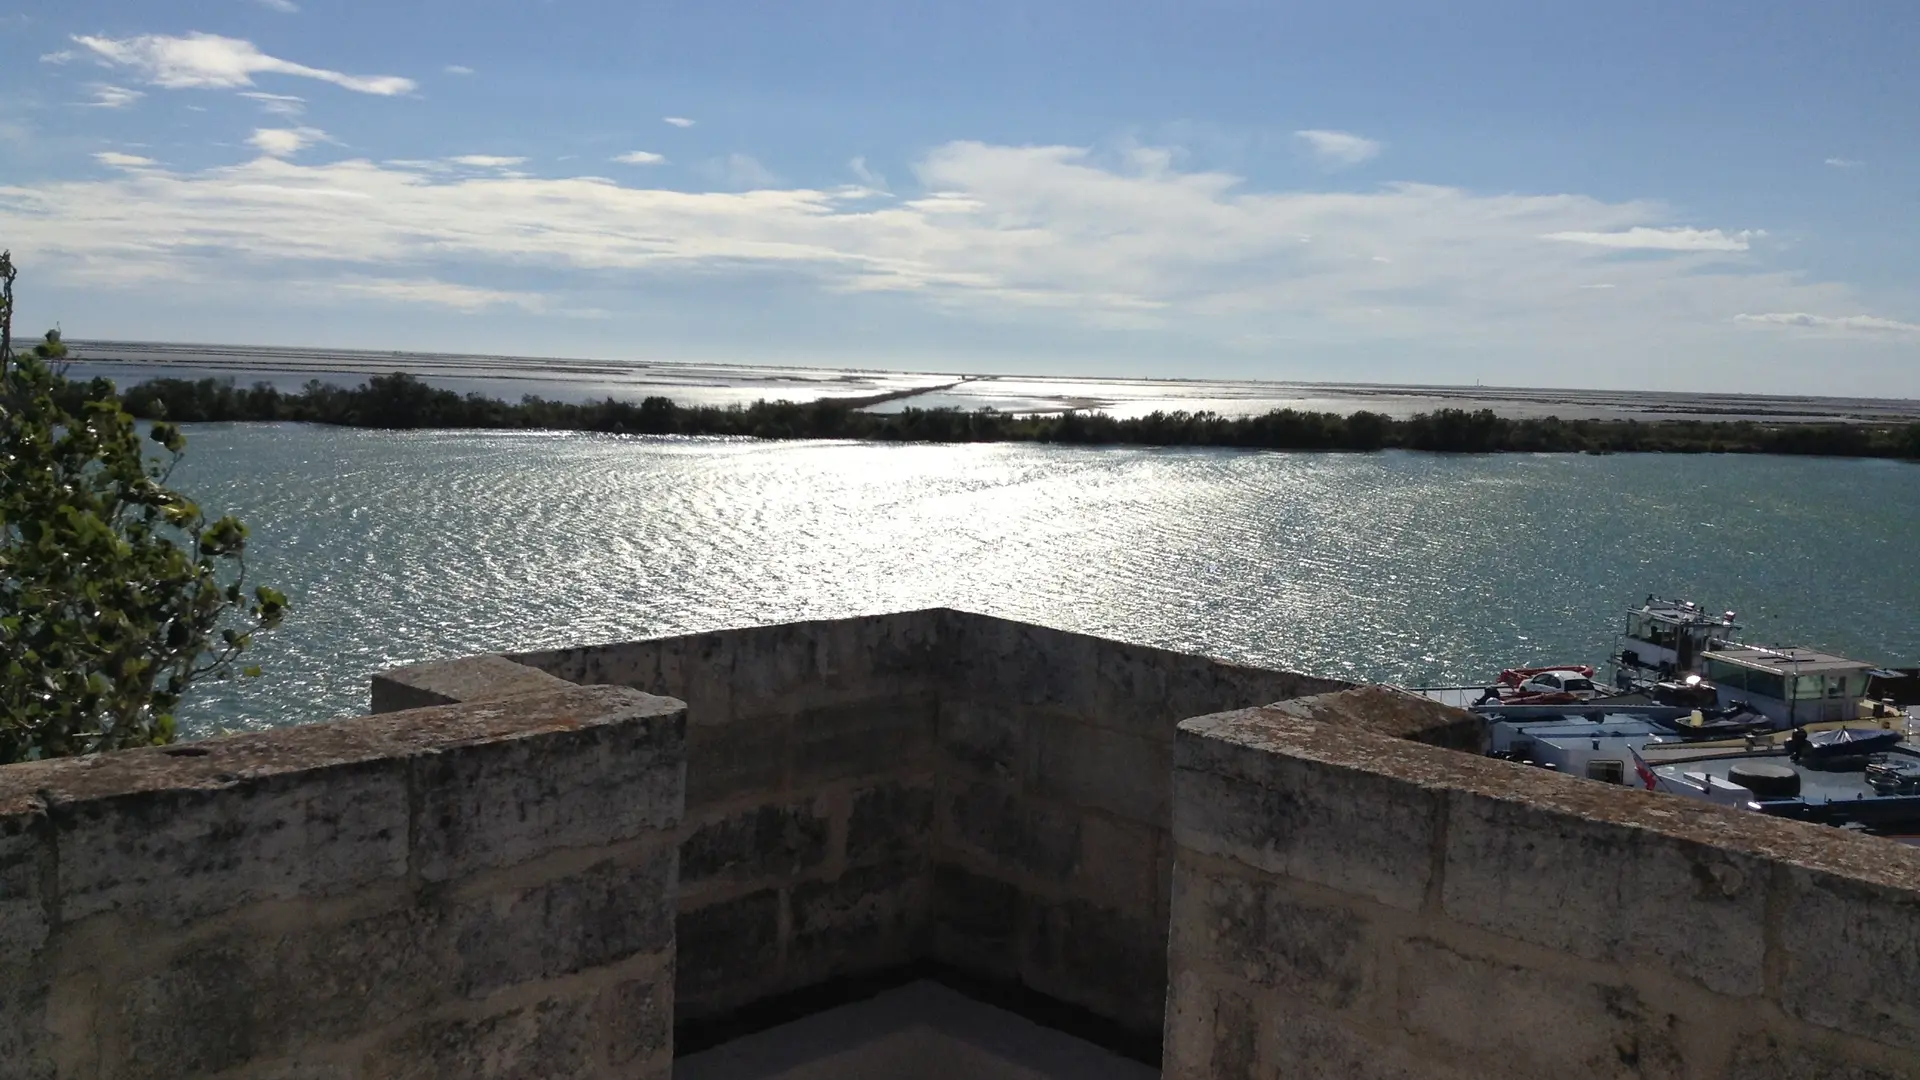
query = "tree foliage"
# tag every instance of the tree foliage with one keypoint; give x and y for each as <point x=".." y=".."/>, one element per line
<point x="117" y="593"/>
<point x="402" y="401"/>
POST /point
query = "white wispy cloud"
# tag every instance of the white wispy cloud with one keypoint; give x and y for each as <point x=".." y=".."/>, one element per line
<point x="858" y="166"/>
<point x="214" y="62"/>
<point x="457" y="69"/>
<point x="108" y="96"/>
<point x="277" y="104"/>
<point x="284" y="7"/>
<point x="63" y="56"/>
<point x="641" y="157"/>
<point x="118" y="160"/>
<point x="1338" y="149"/>
<point x="677" y="121"/>
<point x="1651" y="238"/>
<point x="1844" y="163"/>
<point x="1869" y="324"/>
<point x="1003" y="232"/>
<point x="285" y="142"/>
<point x="740" y="171"/>
<point x="487" y="161"/>
<point x="433" y="291"/>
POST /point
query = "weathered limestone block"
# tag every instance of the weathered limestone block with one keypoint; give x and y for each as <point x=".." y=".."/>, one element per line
<point x="1010" y="831"/>
<point x="1147" y="691"/>
<point x="821" y="664"/>
<point x="1251" y="927"/>
<point x="986" y="737"/>
<point x="1537" y="1023"/>
<point x="1301" y="1044"/>
<point x="175" y="856"/>
<point x="868" y="918"/>
<point x="597" y="917"/>
<point x="1120" y="864"/>
<point x="1197" y="686"/>
<point x="550" y="1040"/>
<point x="502" y="802"/>
<point x="451" y="682"/>
<point x="260" y="905"/>
<point x="1852" y="951"/>
<point x="26" y="856"/>
<point x="726" y="952"/>
<point x="26" y="1043"/>
<point x="1087" y="953"/>
<point x="1391" y="711"/>
<point x="1100" y="768"/>
<point x="258" y="994"/>
<point x="1588" y="884"/>
<point x="702" y="666"/>
<point x="863" y="739"/>
<point x="767" y="841"/>
<point x="977" y="921"/>
<point x="891" y="821"/>
<point x="1001" y="660"/>
<point x="638" y="1017"/>
<point x="913" y="644"/>
<point x="737" y="758"/>
<point x="1212" y="1031"/>
<point x="635" y="664"/>
<point x="1247" y="786"/>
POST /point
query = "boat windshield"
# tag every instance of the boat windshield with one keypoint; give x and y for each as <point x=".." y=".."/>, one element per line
<point x="1644" y="627"/>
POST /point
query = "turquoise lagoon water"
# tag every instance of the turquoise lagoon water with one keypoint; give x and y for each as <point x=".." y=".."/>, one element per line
<point x="405" y="546"/>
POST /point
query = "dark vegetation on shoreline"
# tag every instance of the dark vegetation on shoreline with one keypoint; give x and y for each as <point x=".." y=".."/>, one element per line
<point x="403" y="402"/>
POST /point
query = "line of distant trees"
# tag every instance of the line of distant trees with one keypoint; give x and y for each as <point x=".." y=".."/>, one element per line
<point x="405" y="402"/>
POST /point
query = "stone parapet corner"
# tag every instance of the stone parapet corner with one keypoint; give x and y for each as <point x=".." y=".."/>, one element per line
<point x="451" y="682"/>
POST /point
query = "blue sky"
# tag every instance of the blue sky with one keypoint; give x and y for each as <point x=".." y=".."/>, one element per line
<point x="1703" y="196"/>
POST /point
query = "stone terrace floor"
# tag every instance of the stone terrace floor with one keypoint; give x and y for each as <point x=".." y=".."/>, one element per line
<point x="921" y="1031"/>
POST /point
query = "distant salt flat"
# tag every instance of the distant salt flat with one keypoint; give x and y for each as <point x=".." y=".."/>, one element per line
<point x="510" y="377"/>
<point x="1128" y="398"/>
<point x="507" y="377"/>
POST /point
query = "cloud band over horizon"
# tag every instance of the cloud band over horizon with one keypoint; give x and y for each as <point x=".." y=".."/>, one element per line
<point x="1109" y="242"/>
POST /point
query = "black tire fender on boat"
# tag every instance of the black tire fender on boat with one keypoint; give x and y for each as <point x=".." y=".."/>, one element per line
<point x="1765" y="779"/>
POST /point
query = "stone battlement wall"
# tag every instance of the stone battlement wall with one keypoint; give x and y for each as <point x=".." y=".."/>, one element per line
<point x="866" y="793"/>
<point x="480" y="889"/>
<point x="545" y="863"/>
<point x="1348" y="904"/>
<point x="1052" y="832"/>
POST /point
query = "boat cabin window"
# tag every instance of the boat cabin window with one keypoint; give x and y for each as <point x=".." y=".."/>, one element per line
<point x="1547" y="680"/>
<point x="1746" y="680"/>
<point x="1835" y="685"/>
<point x="1579" y="686"/>
<point x="1607" y="771"/>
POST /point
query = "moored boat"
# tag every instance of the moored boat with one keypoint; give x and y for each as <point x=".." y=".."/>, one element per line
<point x="1863" y="779"/>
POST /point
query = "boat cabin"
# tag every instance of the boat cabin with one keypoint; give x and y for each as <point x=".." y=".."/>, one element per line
<point x="1791" y="686"/>
<point x="1590" y="743"/>
<point x="1664" y="638"/>
<point x="1877" y="791"/>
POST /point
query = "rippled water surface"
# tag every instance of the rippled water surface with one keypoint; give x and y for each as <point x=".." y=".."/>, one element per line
<point x="397" y="547"/>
